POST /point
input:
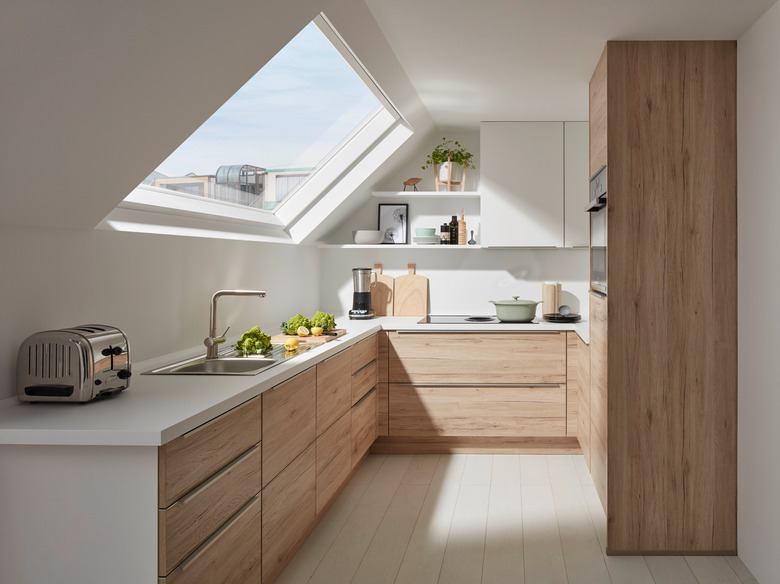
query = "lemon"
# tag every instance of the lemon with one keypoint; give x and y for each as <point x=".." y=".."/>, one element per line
<point x="303" y="331"/>
<point x="291" y="344"/>
<point x="316" y="330"/>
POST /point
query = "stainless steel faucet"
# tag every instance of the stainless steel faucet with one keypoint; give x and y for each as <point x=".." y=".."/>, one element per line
<point x="212" y="341"/>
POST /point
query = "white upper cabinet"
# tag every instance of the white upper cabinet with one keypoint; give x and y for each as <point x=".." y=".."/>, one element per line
<point x="522" y="184"/>
<point x="534" y="184"/>
<point x="576" y="190"/>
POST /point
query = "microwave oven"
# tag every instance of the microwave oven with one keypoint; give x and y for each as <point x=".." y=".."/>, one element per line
<point x="597" y="208"/>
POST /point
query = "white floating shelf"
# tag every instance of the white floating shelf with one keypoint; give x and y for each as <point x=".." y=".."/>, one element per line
<point x="396" y="246"/>
<point x="426" y="194"/>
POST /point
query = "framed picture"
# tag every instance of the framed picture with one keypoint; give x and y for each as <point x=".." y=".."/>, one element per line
<point x="394" y="222"/>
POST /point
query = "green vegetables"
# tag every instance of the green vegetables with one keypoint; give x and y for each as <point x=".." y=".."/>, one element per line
<point x="253" y="341"/>
<point x="324" y="320"/>
<point x="291" y="326"/>
<point x="321" y="319"/>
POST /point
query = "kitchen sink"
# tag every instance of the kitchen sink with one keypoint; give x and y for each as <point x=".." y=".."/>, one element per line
<point x="229" y="363"/>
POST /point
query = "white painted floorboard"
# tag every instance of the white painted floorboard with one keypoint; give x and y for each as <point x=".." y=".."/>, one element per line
<point x="481" y="519"/>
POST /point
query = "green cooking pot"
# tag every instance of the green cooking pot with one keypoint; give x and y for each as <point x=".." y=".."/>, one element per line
<point x="516" y="310"/>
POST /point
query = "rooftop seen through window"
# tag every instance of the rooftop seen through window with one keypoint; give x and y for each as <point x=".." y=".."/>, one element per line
<point x="276" y="131"/>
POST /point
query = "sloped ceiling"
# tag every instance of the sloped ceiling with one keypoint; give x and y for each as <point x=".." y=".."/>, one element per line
<point x="95" y="93"/>
<point x="532" y="59"/>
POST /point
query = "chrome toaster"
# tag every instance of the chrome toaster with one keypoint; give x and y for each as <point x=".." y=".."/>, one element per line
<point x="76" y="364"/>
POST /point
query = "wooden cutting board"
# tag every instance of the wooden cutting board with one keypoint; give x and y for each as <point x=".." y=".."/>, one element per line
<point x="411" y="294"/>
<point x="382" y="293"/>
<point x="311" y="339"/>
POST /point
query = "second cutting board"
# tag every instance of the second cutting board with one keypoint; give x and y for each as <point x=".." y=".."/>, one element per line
<point x="411" y="294"/>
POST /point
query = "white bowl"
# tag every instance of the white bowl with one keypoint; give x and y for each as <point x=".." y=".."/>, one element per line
<point x="368" y="236"/>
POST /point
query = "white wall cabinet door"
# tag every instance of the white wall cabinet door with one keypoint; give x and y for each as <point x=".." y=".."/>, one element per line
<point x="576" y="188"/>
<point x="522" y="184"/>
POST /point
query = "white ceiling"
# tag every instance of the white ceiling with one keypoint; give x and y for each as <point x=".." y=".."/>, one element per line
<point x="475" y="60"/>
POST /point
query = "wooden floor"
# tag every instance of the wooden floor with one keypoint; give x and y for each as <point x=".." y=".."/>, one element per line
<point x="480" y="519"/>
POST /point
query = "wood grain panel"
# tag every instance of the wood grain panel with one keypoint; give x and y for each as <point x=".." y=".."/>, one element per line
<point x="233" y="555"/>
<point x="289" y="421"/>
<point x="334" y="389"/>
<point x="477" y="411"/>
<point x="363" y="353"/>
<point x="364" y="426"/>
<point x="334" y="459"/>
<point x="672" y="303"/>
<point x="288" y="512"/>
<point x="363" y="381"/>
<point x="477" y="358"/>
<point x="572" y="385"/>
<point x="383" y="348"/>
<point x="191" y="520"/>
<point x="598" y="394"/>
<point x="583" y="378"/>
<point x="188" y="460"/>
<point x="598" y="115"/>
<point x="383" y="407"/>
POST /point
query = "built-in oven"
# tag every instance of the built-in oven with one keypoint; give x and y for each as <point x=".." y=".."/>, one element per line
<point x="597" y="208"/>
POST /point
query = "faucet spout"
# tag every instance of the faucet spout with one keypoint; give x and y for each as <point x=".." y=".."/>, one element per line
<point x="212" y="341"/>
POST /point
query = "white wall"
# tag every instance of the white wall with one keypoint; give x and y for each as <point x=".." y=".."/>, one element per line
<point x="463" y="281"/>
<point x="156" y="288"/>
<point x="758" y="115"/>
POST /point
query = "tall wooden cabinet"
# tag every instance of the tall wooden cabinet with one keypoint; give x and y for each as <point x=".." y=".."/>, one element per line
<point x="663" y="121"/>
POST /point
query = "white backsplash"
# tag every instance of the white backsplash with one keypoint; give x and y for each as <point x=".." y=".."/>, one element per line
<point x="463" y="281"/>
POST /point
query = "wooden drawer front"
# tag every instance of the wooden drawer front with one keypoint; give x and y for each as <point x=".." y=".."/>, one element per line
<point x="334" y="448"/>
<point x="289" y="422"/>
<point x="192" y="519"/>
<point x="190" y="459"/>
<point x="288" y="512"/>
<point x="383" y="346"/>
<point x="583" y="377"/>
<point x="364" y="426"/>
<point x="363" y="381"/>
<point x="477" y="411"/>
<point x="572" y="385"/>
<point x="363" y="353"/>
<point x="334" y="389"/>
<point x="232" y="555"/>
<point x="382" y="408"/>
<point x="477" y="358"/>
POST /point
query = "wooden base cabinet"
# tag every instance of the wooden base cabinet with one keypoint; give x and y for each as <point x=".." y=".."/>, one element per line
<point x="477" y="410"/>
<point x="206" y="479"/>
<point x="334" y="459"/>
<point x="364" y="426"/>
<point x="288" y="512"/>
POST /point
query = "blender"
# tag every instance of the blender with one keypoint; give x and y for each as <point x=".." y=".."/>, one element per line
<point x="361" y="295"/>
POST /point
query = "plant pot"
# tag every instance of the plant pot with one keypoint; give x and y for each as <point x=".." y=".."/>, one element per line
<point x="515" y="310"/>
<point x="449" y="174"/>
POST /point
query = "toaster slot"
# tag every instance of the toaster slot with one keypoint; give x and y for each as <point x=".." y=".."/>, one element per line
<point x="49" y="390"/>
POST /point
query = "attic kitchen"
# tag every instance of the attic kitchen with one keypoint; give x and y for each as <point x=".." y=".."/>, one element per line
<point x="222" y="478"/>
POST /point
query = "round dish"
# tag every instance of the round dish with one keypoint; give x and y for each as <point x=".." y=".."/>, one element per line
<point x="368" y="236"/>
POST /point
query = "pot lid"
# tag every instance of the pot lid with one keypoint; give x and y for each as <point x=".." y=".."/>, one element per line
<point x="515" y="302"/>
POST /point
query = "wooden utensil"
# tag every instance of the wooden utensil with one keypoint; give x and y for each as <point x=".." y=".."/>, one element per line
<point x="382" y="294"/>
<point x="411" y="294"/>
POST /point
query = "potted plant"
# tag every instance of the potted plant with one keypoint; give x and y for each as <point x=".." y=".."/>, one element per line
<point x="450" y="161"/>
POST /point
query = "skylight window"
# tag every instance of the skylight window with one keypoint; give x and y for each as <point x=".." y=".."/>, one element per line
<point x="299" y="113"/>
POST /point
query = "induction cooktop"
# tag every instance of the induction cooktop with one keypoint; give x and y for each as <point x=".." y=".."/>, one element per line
<point x="460" y="319"/>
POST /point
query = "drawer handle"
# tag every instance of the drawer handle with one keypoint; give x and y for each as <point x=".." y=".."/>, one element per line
<point x="362" y="399"/>
<point x="218" y="475"/>
<point x="372" y="362"/>
<point x="208" y="543"/>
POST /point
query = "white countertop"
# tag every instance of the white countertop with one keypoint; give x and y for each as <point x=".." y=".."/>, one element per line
<point x="157" y="408"/>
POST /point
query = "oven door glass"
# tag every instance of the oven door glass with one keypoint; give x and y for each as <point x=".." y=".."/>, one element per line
<point x="598" y="250"/>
